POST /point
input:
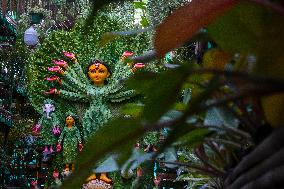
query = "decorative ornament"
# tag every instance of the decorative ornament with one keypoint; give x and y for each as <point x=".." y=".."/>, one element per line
<point x="31" y="37"/>
<point x="97" y="184"/>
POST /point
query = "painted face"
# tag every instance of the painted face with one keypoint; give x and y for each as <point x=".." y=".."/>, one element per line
<point x="48" y="108"/>
<point x="69" y="120"/>
<point x="98" y="73"/>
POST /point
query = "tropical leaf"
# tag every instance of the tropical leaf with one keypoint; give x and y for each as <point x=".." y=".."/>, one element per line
<point x="220" y="117"/>
<point x="186" y="21"/>
<point x="144" y="21"/>
<point x="194" y="137"/>
<point x="139" y="5"/>
<point x="132" y="109"/>
<point x="160" y="90"/>
<point x="115" y="135"/>
<point x="110" y="36"/>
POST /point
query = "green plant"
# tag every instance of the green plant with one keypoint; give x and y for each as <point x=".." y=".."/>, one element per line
<point x="237" y="27"/>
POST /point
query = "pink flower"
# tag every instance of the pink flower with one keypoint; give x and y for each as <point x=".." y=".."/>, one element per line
<point x="61" y="63"/>
<point x="53" y="78"/>
<point x="69" y="55"/>
<point x="139" y="65"/>
<point x="56" y="130"/>
<point x="55" y="174"/>
<point x="34" y="183"/>
<point x="56" y="69"/>
<point x="58" y="147"/>
<point x="127" y="54"/>
<point x="36" y="128"/>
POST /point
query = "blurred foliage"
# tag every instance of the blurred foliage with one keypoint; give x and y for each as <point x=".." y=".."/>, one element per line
<point x="217" y="136"/>
<point x="234" y="94"/>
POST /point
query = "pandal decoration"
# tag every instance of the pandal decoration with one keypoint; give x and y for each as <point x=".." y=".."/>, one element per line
<point x="97" y="184"/>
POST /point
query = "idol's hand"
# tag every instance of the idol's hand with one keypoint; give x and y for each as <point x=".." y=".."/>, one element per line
<point x="137" y="66"/>
<point x="56" y="69"/>
<point x="52" y="91"/>
<point x="71" y="56"/>
<point x="60" y="63"/>
<point x="54" y="78"/>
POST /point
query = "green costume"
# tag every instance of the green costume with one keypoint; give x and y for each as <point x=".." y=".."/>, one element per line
<point x="70" y="137"/>
<point x="46" y="129"/>
<point x="77" y="87"/>
<point x="47" y="122"/>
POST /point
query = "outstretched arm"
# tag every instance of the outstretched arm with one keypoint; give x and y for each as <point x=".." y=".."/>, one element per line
<point x="121" y="96"/>
<point x="69" y="82"/>
<point x="77" y="69"/>
<point x="73" y="95"/>
<point x="72" y="80"/>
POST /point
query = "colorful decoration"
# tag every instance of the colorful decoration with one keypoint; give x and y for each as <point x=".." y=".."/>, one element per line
<point x="97" y="184"/>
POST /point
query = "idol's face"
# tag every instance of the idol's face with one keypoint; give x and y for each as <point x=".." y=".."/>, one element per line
<point x="69" y="120"/>
<point x="98" y="73"/>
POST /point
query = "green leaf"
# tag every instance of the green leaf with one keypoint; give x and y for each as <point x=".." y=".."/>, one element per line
<point x="144" y="21"/>
<point x="110" y="36"/>
<point x="113" y="136"/>
<point x="183" y="23"/>
<point x="194" y="137"/>
<point x="245" y="29"/>
<point x="132" y="109"/>
<point x="218" y="116"/>
<point x="240" y="29"/>
<point x="139" y="5"/>
<point x="160" y="90"/>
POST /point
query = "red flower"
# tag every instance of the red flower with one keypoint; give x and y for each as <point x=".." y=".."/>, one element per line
<point x="52" y="91"/>
<point x="36" y="129"/>
<point x="58" y="147"/>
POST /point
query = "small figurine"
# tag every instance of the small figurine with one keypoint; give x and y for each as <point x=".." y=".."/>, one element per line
<point x="71" y="141"/>
<point x="48" y="126"/>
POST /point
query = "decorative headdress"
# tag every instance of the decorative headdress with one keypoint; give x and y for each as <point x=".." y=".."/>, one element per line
<point x="69" y="113"/>
<point x="48" y="101"/>
<point x="97" y="63"/>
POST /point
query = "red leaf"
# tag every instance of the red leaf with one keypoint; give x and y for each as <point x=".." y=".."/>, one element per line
<point x="180" y="26"/>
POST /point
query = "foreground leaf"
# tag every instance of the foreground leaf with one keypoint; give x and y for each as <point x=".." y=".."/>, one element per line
<point x="160" y="90"/>
<point x="115" y="135"/>
<point x="180" y="27"/>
